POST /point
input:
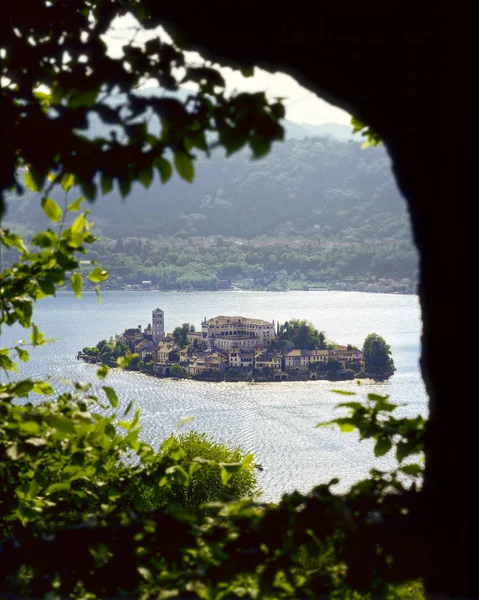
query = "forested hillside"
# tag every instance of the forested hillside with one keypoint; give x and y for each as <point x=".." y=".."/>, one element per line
<point x="314" y="211"/>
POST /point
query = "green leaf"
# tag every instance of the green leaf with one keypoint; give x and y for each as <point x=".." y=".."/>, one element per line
<point x="51" y="209"/>
<point x="67" y="181"/>
<point x="125" y="187"/>
<point x="124" y="361"/>
<point x="145" y="176"/>
<point x="184" y="166"/>
<point x="106" y="184"/>
<point x="10" y="239"/>
<point x="357" y="125"/>
<point x="343" y="393"/>
<point x="76" y="281"/>
<point x="179" y="473"/>
<point x="352" y="405"/>
<point x="346" y="427"/>
<point x="31" y="182"/>
<point x="111" y="395"/>
<point x="98" y="275"/>
<point x="114" y="494"/>
<point x="102" y="372"/>
<point x="228" y="470"/>
<point x="36" y="337"/>
<point x="145" y="573"/>
<point x="248" y="461"/>
<point x="79" y="98"/>
<point x="77" y="225"/>
<point x="75" y="205"/>
<point x="377" y="398"/>
<point x="22" y="388"/>
<point x="22" y="354"/>
<point x="247" y="71"/>
<point x="414" y="470"/>
<point x="45" y="239"/>
<point x="33" y="489"/>
<point x="7" y="364"/>
<point x="404" y="449"/>
<point x="383" y="445"/>
<point x="47" y="287"/>
<point x="61" y="423"/>
<point x="58" y="487"/>
<point x="164" y="168"/>
<point x="42" y="387"/>
<point x="128" y="408"/>
<point x="29" y="427"/>
<point x="166" y="445"/>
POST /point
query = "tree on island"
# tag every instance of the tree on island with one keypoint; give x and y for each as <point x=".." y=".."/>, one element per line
<point x="303" y="334"/>
<point x="377" y="355"/>
<point x="180" y="333"/>
<point x="176" y="370"/>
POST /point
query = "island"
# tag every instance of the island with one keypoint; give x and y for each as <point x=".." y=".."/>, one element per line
<point x="235" y="348"/>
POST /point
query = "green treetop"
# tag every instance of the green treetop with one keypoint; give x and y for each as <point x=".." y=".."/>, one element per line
<point x="377" y="355"/>
<point x="180" y="333"/>
<point x="303" y="334"/>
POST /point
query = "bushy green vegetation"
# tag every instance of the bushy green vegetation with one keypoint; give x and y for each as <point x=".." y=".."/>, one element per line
<point x="75" y="521"/>
<point x="317" y="188"/>
<point x="327" y="210"/>
<point x="302" y="334"/>
<point x="210" y="478"/>
<point x="377" y="355"/>
<point x="180" y="333"/>
<point x="261" y="263"/>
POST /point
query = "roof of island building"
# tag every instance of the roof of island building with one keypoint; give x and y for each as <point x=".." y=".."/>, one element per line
<point x="222" y="320"/>
<point x="167" y="346"/>
<point x="298" y="352"/>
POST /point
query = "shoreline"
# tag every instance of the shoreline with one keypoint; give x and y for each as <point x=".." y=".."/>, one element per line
<point x="155" y="290"/>
<point x="250" y="378"/>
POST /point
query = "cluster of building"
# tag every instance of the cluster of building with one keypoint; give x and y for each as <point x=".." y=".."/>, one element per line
<point x="226" y="342"/>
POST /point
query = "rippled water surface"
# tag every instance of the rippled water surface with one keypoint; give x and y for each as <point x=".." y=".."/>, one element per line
<point x="274" y="420"/>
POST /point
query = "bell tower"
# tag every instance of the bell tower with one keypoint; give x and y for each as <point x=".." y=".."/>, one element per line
<point x="158" y="325"/>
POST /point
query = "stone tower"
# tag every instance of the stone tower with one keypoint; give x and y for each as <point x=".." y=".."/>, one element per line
<point x="158" y="325"/>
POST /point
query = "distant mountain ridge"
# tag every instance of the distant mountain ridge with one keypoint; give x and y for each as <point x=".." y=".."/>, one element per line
<point x="317" y="186"/>
<point x="293" y="130"/>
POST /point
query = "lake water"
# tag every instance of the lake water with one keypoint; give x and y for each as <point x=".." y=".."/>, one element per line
<point x="276" y="421"/>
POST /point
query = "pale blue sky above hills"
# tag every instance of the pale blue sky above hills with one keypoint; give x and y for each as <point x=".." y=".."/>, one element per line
<point x="302" y="106"/>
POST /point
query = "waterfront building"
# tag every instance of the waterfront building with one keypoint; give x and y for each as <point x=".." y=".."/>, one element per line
<point x="297" y="359"/>
<point x="270" y="360"/>
<point x="167" y="352"/>
<point x="208" y="361"/>
<point x="240" y="359"/>
<point x="145" y="347"/>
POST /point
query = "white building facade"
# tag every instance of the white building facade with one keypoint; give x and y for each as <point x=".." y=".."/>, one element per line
<point x="219" y="329"/>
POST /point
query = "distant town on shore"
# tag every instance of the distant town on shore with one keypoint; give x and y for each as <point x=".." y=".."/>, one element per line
<point x="236" y="348"/>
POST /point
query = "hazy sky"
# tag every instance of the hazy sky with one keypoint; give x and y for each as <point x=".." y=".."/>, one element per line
<point x="301" y="104"/>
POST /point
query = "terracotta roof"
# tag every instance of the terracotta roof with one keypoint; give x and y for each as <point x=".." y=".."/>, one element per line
<point x="222" y="320"/>
<point x="167" y="347"/>
<point x="299" y="352"/>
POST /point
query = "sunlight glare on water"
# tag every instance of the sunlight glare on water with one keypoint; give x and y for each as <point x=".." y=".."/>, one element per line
<point x="274" y="420"/>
